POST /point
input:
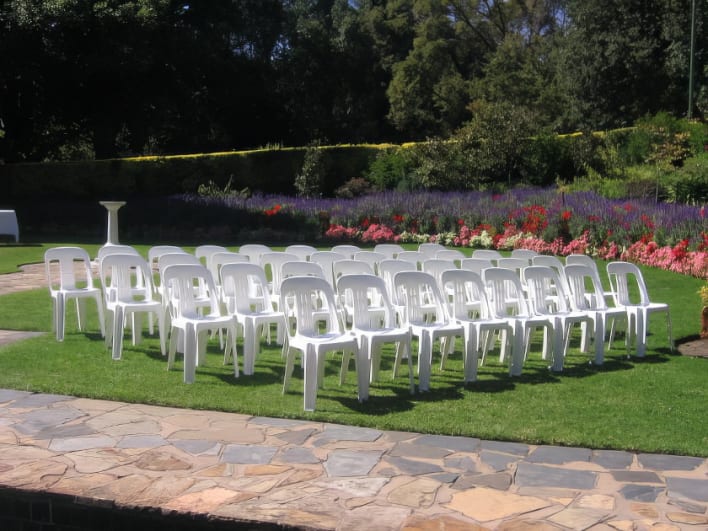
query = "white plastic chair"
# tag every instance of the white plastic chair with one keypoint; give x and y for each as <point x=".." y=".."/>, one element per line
<point x="624" y="276"/>
<point x="303" y="252"/>
<point x="451" y="254"/>
<point x="271" y="262"/>
<point x="542" y="283"/>
<point x="374" y="323"/>
<point x="387" y="271"/>
<point x="347" y="250"/>
<point x="586" y="295"/>
<point x="507" y="301"/>
<point x="254" y="251"/>
<point x="190" y="318"/>
<point x="468" y="291"/>
<point x="430" y="249"/>
<point x="524" y="254"/>
<point x="68" y="273"/>
<point x="427" y="317"/>
<point x="115" y="249"/>
<point x="204" y="253"/>
<point x="389" y="250"/>
<point x="372" y="258"/>
<point x="220" y="258"/>
<point x="583" y="259"/>
<point x="487" y="254"/>
<point x="128" y="292"/>
<point x="327" y="259"/>
<point x="313" y="342"/>
<point x="414" y="257"/>
<point x="476" y="265"/>
<point x="239" y="281"/>
<point x="156" y="251"/>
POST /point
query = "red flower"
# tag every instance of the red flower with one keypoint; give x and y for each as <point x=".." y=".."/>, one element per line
<point x="273" y="211"/>
<point x="460" y="222"/>
<point x="397" y="218"/>
<point x="365" y="223"/>
<point x="566" y="215"/>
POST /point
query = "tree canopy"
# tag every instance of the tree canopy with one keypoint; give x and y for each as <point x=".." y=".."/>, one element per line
<point x="84" y="79"/>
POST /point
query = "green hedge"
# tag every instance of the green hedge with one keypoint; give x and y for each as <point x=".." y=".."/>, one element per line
<point x="266" y="171"/>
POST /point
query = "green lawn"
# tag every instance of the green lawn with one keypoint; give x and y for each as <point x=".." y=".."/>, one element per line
<point x="655" y="404"/>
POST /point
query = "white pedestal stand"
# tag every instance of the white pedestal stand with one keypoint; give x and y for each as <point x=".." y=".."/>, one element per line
<point x="112" y="208"/>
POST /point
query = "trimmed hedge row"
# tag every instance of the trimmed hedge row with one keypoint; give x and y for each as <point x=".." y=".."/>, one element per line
<point x="267" y="171"/>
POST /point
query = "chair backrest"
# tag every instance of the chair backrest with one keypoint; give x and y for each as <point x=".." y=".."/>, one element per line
<point x="506" y="296"/>
<point x="254" y="251"/>
<point x="217" y="260"/>
<point x="543" y="283"/>
<point x="624" y="275"/>
<point x="554" y="263"/>
<point x="347" y="250"/>
<point x="169" y="259"/>
<point x="388" y="269"/>
<point x="115" y="249"/>
<point x="468" y="290"/>
<point x="181" y="281"/>
<point x="271" y="262"/>
<point x="301" y="269"/>
<point x="303" y="252"/>
<point x="421" y="297"/>
<point x="515" y="264"/>
<point x="364" y="292"/>
<point x="327" y="259"/>
<point x="371" y="257"/>
<point x="239" y="282"/>
<point x="125" y="278"/>
<point x="580" y="259"/>
<point x="204" y="253"/>
<point x="65" y="267"/>
<point x="414" y="257"/>
<point x="390" y="250"/>
<point x="525" y="254"/>
<point x="476" y="265"/>
<point x="584" y="288"/>
<point x="437" y="267"/>
<point x="351" y="267"/>
<point x="156" y="251"/>
<point x="430" y="249"/>
<point x="488" y="254"/>
<point x="451" y="254"/>
<point x="302" y="295"/>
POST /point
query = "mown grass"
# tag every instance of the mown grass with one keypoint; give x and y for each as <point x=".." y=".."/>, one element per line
<point x="655" y="404"/>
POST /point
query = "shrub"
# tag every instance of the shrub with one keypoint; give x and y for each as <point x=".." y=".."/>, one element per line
<point x="354" y="188"/>
<point x="311" y="177"/>
<point x="391" y="169"/>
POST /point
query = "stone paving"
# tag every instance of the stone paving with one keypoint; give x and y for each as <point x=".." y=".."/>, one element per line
<point x="313" y="475"/>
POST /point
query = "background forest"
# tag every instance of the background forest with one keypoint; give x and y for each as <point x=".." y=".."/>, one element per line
<point x="99" y="79"/>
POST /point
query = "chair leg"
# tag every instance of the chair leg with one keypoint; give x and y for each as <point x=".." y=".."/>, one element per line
<point x="117" y="333"/>
<point x="311" y="377"/>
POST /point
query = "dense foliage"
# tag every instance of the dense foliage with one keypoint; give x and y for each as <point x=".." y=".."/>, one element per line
<point x="102" y="79"/>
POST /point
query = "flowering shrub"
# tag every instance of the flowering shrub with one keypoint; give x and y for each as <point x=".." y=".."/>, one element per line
<point x="667" y="235"/>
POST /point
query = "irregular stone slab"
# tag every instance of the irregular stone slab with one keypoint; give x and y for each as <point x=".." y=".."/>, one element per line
<point x="36" y="421"/>
<point x="353" y="487"/>
<point x="612" y="459"/>
<point x="558" y="455"/>
<point x="82" y="443"/>
<point x="296" y="436"/>
<point x="223" y="435"/>
<point x="531" y="475"/>
<point x="64" y="432"/>
<point x="642" y="493"/>
<point x="78" y="485"/>
<point x="635" y="476"/>
<point x="484" y="505"/>
<point x="7" y="395"/>
<point x="412" y="467"/>
<point x="196" y="447"/>
<point x="279" y="423"/>
<point x="38" y="474"/>
<point x="298" y="455"/>
<point x="438" y="523"/>
<point x="444" y="477"/>
<point x="528" y="525"/>
<point x="460" y="444"/>
<point x="143" y="427"/>
<point x="688" y="518"/>
<point x="248" y="454"/>
<point x="164" y="489"/>
<point x="465" y="464"/>
<point x="161" y="461"/>
<point x="374" y="517"/>
<point x="406" y="449"/>
<point x="496" y="461"/>
<point x="266" y="470"/>
<point x="687" y="505"/>
<point x="142" y="441"/>
<point x="669" y="462"/>
<point x="98" y="460"/>
<point x="39" y="400"/>
<point x="693" y="489"/>
<point x="417" y="493"/>
<point x="346" y="433"/>
<point x="204" y="501"/>
<point x="347" y="463"/>
<point x="578" y="518"/>
<point x="597" y="501"/>
<point x="122" y="490"/>
<point x="506" y="447"/>
<point x="501" y="481"/>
